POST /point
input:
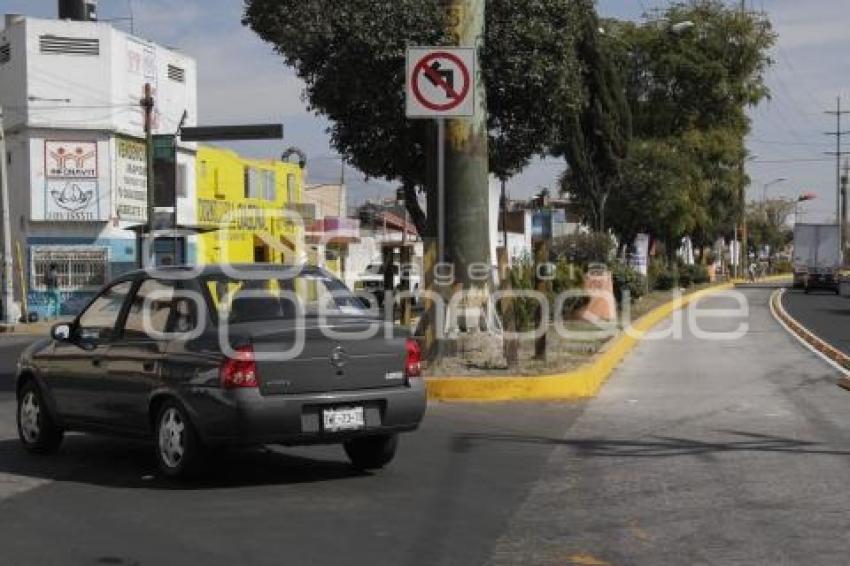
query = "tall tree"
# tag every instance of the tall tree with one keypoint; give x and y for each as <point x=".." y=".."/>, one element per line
<point x="691" y="74"/>
<point x="595" y="138"/>
<point x="351" y="54"/>
<point x="767" y="223"/>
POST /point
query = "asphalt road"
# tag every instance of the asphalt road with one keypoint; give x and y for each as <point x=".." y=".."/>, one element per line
<point x="445" y="499"/>
<point x="826" y="314"/>
<point x="697" y="451"/>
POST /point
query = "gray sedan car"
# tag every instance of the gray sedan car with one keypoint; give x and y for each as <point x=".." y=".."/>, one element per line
<point x="224" y="355"/>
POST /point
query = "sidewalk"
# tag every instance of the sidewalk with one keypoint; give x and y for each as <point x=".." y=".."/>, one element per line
<point x="40" y="328"/>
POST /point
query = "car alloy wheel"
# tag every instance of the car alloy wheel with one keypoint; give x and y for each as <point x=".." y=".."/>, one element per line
<point x="30" y="415"/>
<point x="172" y="437"/>
<point x="36" y="428"/>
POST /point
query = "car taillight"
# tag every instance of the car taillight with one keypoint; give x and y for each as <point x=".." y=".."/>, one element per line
<point x="413" y="360"/>
<point x="239" y="371"/>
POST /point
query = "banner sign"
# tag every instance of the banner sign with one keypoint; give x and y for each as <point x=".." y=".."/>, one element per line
<point x="131" y="183"/>
<point x="640" y="259"/>
<point x="71" y="182"/>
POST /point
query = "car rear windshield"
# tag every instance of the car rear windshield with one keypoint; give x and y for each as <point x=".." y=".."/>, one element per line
<point x="247" y="299"/>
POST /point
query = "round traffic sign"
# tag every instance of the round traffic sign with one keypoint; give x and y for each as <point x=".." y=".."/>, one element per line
<point x="431" y="68"/>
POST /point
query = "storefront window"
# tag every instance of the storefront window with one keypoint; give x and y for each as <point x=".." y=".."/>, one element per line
<point x="80" y="269"/>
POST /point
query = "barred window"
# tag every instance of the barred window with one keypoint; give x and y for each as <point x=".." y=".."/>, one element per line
<point x="79" y="268"/>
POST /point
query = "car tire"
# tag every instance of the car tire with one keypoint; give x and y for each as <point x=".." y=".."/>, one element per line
<point x="37" y="428"/>
<point x="371" y="452"/>
<point x="178" y="451"/>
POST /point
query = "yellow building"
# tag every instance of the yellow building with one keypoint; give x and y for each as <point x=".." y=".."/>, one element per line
<point x="245" y="203"/>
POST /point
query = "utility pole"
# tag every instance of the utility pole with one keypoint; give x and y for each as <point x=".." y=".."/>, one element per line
<point x="147" y="103"/>
<point x="844" y="178"/>
<point x="467" y="193"/>
<point x="8" y="283"/>
<point x="838" y="153"/>
<point x="742" y="248"/>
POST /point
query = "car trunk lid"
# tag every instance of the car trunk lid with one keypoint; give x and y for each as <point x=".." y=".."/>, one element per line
<point x="343" y="353"/>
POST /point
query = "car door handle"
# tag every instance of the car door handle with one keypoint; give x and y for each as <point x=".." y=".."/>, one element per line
<point x="96" y="362"/>
<point x="148" y="366"/>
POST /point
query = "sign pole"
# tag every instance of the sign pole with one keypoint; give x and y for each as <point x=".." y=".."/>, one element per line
<point x="8" y="283"/>
<point x="441" y="190"/>
<point x="147" y="104"/>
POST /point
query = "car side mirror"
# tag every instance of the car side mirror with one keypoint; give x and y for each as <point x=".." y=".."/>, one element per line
<point x="61" y="332"/>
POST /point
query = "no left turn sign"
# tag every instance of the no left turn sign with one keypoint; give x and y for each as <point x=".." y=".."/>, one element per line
<point x="440" y="82"/>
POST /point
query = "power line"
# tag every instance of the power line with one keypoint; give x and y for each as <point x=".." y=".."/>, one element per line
<point x="778" y="142"/>
<point x="839" y="134"/>
<point x="794" y="160"/>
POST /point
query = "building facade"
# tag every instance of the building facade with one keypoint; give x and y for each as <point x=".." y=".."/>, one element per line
<point x="70" y="93"/>
<point x="246" y="209"/>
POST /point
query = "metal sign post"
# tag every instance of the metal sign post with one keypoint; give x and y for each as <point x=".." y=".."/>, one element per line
<point x="440" y="84"/>
<point x="441" y="190"/>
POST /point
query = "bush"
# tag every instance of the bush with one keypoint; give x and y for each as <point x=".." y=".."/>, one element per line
<point x="583" y="249"/>
<point x="662" y="277"/>
<point x="693" y="275"/>
<point x="567" y="276"/>
<point x="627" y="279"/>
<point x="522" y="278"/>
<point x="783" y="266"/>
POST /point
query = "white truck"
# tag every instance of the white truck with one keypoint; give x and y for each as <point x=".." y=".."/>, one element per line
<point x="817" y="257"/>
<point x="404" y="278"/>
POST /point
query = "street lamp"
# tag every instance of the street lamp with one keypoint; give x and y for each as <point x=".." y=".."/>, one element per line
<point x="677" y="29"/>
<point x="802" y="198"/>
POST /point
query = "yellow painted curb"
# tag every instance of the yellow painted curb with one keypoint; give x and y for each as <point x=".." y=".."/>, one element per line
<point x="579" y="383"/>
<point x="766" y="279"/>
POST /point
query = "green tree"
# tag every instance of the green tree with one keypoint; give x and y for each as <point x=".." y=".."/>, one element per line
<point x="351" y="57"/>
<point x="689" y="86"/>
<point x="660" y="192"/>
<point x="594" y="138"/>
<point x="767" y="224"/>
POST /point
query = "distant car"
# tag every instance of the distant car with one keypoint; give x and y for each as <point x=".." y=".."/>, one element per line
<point x="371" y="281"/>
<point x="194" y="363"/>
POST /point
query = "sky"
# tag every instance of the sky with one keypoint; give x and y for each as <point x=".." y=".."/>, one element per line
<point x="241" y="80"/>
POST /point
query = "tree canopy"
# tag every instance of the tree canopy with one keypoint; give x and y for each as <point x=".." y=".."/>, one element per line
<point x="351" y="56"/>
<point x="688" y="91"/>
<point x="594" y="136"/>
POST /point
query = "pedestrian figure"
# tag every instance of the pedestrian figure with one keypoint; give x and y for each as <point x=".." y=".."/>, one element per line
<point x="51" y="281"/>
<point x="753" y="270"/>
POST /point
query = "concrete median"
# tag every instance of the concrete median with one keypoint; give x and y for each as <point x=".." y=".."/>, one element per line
<point x="581" y="383"/>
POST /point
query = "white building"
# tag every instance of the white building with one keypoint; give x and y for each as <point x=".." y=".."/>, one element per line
<point x="70" y="93"/>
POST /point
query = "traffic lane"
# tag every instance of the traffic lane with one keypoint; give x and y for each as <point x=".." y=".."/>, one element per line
<point x="697" y="452"/>
<point x="825" y="314"/>
<point x="444" y="500"/>
<point x="11" y="347"/>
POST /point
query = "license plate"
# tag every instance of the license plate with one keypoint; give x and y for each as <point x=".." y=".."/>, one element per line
<point x="343" y="419"/>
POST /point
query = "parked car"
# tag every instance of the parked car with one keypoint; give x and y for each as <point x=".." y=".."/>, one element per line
<point x="371" y="281"/>
<point x="194" y="362"/>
